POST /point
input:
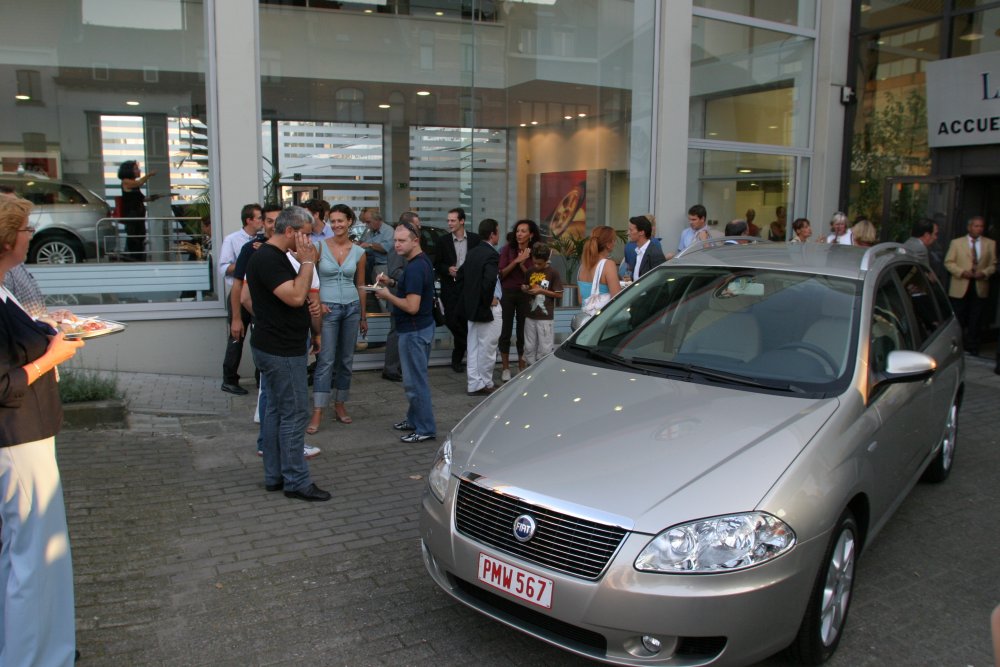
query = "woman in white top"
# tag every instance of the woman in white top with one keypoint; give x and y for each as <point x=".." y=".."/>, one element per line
<point x="839" y="233"/>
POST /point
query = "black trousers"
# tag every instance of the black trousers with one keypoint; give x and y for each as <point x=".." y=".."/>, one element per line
<point x="968" y="310"/>
<point x="456" y="322"/>
<point x="234" y="347"/>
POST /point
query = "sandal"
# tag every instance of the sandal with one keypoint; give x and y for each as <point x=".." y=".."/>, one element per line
<point x="340" y="414"/>
<point x="317" y="417"/>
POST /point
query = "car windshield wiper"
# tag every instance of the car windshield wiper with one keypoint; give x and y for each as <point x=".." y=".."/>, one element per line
<point x="704" y="371"/>
<point x="611" y="358"/>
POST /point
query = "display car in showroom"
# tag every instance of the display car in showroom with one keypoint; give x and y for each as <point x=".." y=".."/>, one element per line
<point x="692" y="476"/>
<point x="65" y="217"/>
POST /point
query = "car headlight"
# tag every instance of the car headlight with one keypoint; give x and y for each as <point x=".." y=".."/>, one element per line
<point x="441" y="470"/>
<point x="718" y="544"/>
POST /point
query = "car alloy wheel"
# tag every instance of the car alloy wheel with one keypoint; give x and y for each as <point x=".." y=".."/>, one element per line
<point x="826" y="613"/>
<point x="56" y="251"/>
<point x="939" y="469"/>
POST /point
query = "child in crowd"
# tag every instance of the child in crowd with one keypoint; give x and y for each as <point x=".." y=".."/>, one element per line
<point x="545" y="286"/>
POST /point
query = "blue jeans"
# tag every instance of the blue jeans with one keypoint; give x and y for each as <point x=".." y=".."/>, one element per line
<point x="261" y="409"/>
<point x="415" y="356"/>
<point x="283" y="423"/>
<point x="336" y="353"/>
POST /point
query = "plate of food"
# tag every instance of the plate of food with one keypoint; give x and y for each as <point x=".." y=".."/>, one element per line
<point x="89" y="327"/>
<point x="372" y="288"/>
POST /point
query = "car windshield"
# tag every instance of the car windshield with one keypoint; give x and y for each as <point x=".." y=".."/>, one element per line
<point x="759" y="328"/>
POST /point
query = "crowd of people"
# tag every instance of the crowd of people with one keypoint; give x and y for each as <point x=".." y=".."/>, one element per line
<point x="312" y="290"/>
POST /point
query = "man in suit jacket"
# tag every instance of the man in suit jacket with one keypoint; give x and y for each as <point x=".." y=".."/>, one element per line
<point x="647" y="253"/>
<point x="479" y="306"/>
<point x="971" y="260"/>
<point x="449" y="257"/>
<point x="923" y="234"/>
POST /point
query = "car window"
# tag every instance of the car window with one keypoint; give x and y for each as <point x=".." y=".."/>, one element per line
<point x="794" y="329"/>
<point x="890" y="327"/>
<point x="921" y="295"/>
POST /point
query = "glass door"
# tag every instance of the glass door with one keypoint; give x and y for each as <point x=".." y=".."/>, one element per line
<point x="907" y="199"/>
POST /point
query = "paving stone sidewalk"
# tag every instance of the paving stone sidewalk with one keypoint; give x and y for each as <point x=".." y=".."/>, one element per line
<point x="182" y="558"/>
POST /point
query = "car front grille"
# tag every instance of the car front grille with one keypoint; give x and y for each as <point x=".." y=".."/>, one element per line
<point x="562" y="542"/>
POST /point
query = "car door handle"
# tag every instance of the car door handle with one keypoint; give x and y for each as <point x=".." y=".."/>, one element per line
<point x="954" y="345"/>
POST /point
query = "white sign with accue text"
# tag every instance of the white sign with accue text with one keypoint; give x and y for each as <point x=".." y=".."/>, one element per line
<point x="963" y="101"/>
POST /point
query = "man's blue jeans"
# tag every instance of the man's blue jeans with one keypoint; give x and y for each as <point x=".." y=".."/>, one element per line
<point x="415" y="356"/>
<point x="283" y="420"/>
<point x="336" y="353"/>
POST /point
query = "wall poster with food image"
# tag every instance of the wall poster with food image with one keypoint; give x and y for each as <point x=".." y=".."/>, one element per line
<point x="562" y="203"/>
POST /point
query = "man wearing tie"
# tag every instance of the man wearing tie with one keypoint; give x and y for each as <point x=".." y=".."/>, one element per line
<point x="971" y="260"/>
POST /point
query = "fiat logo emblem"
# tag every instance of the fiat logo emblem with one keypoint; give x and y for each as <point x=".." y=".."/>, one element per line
<point x="524" y="528"/>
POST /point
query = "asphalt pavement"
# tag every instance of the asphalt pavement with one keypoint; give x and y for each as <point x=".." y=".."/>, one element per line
<point x="182" y="558"/>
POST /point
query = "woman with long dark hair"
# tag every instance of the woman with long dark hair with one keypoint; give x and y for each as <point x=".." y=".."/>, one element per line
<point x="515" y="262"/>
<point x="133" y="209"/>
<point x="37" y="616"/>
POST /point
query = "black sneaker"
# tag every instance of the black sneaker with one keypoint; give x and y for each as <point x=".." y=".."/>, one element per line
<point x="403" y="426"/>
<point x="415" y="437"/>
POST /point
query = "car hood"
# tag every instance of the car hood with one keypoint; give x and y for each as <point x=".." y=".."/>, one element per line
<point x="643" y="451"/>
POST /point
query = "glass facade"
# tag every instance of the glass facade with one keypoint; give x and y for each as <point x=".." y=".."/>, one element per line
<point x="750" y="109"/>
<point x="430" y="105"/>
<point x="86" y="86"/>
<point x="887" y="133"/>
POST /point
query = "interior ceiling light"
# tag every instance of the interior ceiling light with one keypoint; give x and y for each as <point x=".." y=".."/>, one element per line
<point x="744" y="170"/>
<point x="568" y="117"/>
<point x="581" y="115"/>
<point x="772" y="127"/>
<point x="22" y="96"/>
<point x="438" y="13"/>
<point x="423" y="93"/>
<point x="865" y="7"/>
<point x="132" y="103"/>
<point x="534" y="122"/>
<point x="384" y="106"/>
<point x="970" y="35"/>
<point x="524" y="125"/>
<point x="368" y="11"/>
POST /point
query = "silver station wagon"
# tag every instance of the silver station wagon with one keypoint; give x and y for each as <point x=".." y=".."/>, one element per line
<point x="691" y="477"/>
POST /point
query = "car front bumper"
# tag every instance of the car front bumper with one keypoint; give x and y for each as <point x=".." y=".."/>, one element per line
<point x="733" y="618"/>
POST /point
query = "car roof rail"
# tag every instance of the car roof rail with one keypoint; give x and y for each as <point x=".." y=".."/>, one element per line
<point x="877" y="251"/>
<point x="717" y="241"/>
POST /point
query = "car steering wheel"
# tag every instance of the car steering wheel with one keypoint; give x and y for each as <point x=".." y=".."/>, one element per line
<point x="816" y="350"/>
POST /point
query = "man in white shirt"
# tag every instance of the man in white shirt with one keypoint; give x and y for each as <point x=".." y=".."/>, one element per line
<point x="971" y="260"/>
<point x="648" y="255"/>
<point x="253" y="220"/>
<point x="697" y="229"/>
<point x="320" y="209"/>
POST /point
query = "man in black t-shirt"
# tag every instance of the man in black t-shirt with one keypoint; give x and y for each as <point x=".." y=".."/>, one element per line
<point x="279" y="342"/>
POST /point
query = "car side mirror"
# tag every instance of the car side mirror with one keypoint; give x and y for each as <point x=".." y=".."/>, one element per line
<point x="906" y="366"/>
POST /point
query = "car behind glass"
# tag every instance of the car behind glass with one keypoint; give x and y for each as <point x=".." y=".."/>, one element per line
<point x="65" y="217"/>
<point x="691" y="477"/>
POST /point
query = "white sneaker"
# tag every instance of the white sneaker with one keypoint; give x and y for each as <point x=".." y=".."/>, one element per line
<point x="505" y="375"/>
<point x="310" y="452"/>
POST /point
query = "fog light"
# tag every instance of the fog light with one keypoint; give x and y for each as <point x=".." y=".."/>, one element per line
<point x="651" y="644"/>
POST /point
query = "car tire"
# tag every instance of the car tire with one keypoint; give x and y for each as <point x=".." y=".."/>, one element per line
<point x="55" y="250"/>
<point x="940" y="467"/>
<point x="823" y="624"/>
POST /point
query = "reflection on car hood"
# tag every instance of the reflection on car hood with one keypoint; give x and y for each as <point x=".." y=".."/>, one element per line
<point x="651" y="450"/>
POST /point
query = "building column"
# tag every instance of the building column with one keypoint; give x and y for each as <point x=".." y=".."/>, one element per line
<point x="673" y="93"/>
<point x="234" y="110"/>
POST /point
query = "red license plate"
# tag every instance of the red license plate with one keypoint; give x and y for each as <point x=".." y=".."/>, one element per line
<point x="511" y="579"/>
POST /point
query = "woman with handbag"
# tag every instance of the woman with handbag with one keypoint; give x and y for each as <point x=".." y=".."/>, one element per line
<point x="37" y="617"/>
<point x="597" y="279"/>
